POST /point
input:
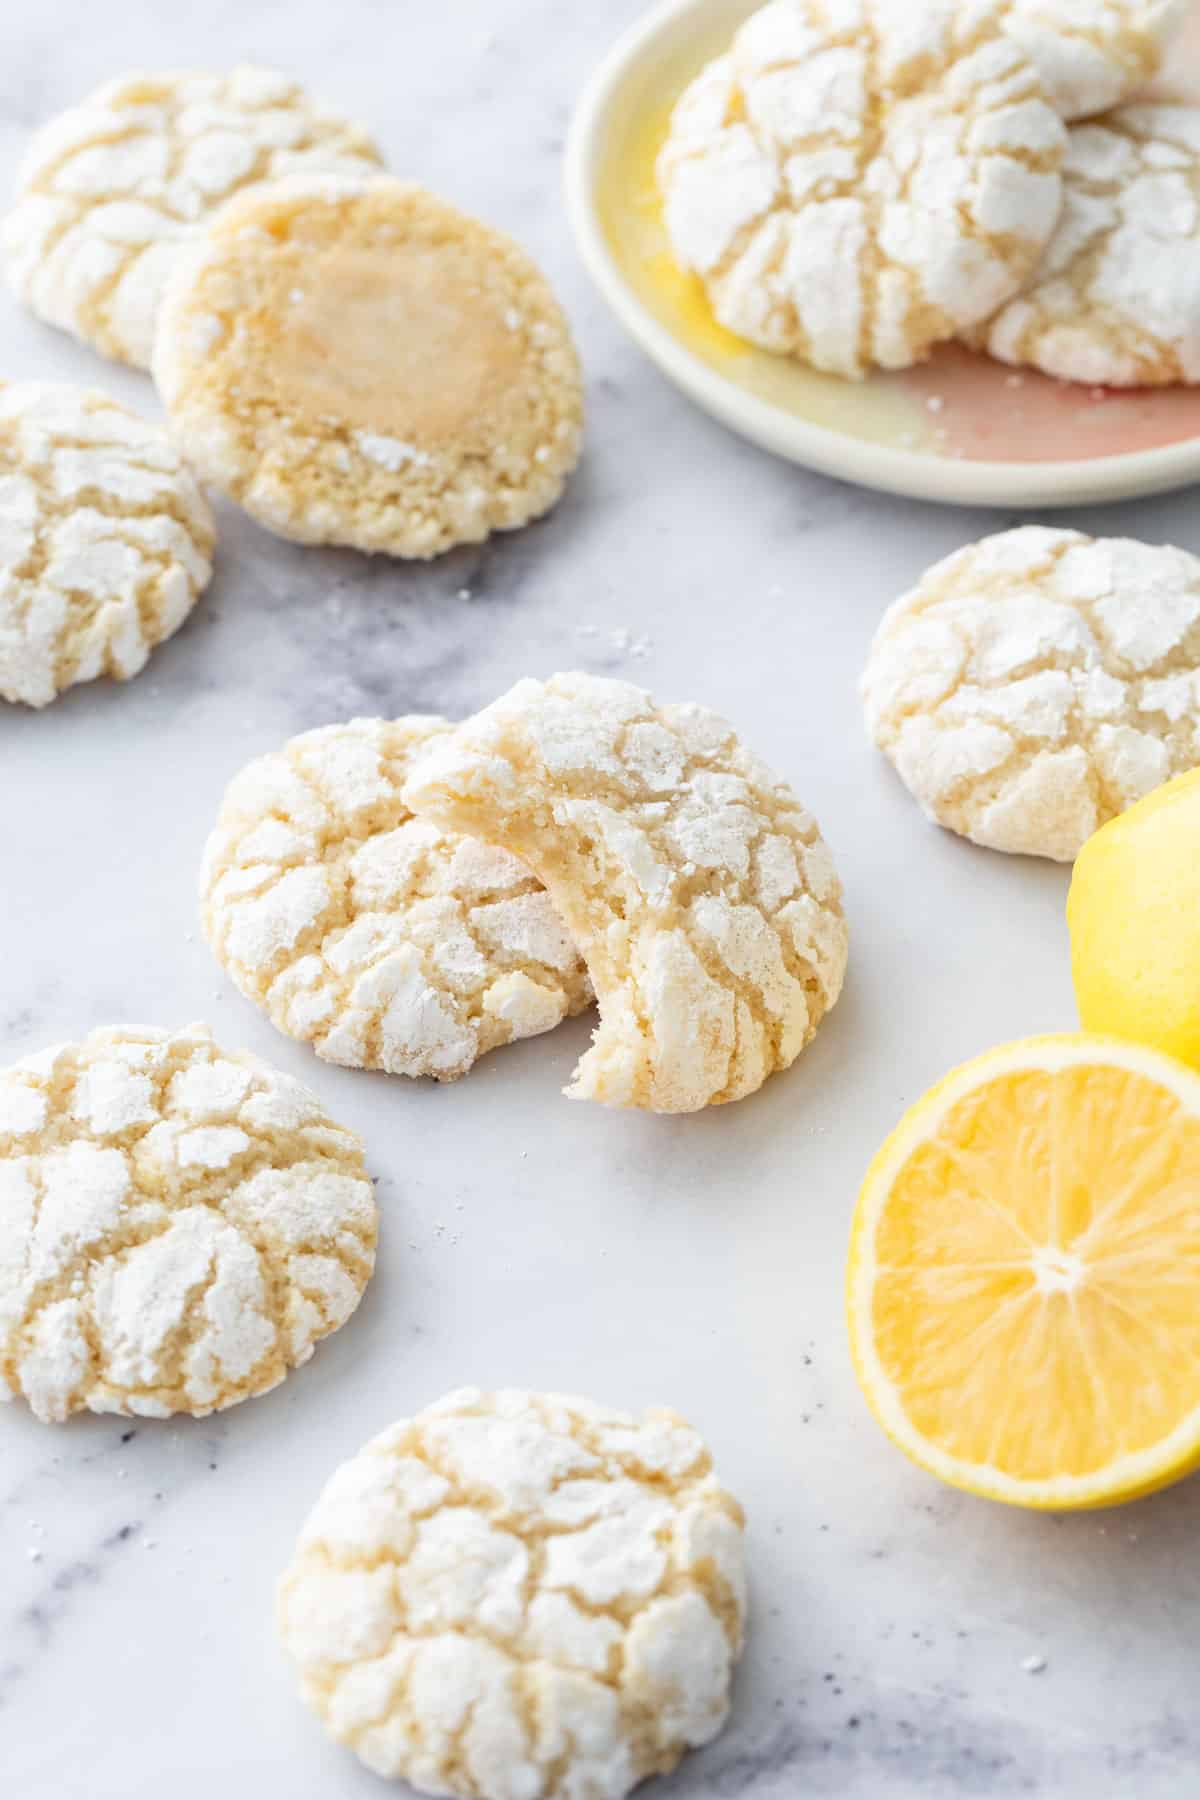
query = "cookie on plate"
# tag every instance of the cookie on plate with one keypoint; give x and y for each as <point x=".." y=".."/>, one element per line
<point x="1116" y="299"/>
<point x="179" y="1226"/>
<point x="855" y="184"/>
<point x="1092" y="54"/>
<point x="356" y="362"/>
<point x="105" y="540"/>
<point x="378" y="938"/>
<point x="520" y="1594"/>
<point x="110" y="190"/>
<point x="698" y="890"/>
<point x="1035" y="684"/>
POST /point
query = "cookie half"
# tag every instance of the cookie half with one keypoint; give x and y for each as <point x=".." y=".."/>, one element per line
<point x="1035" y="684"/>
<point x="377" y="937"/>
<point x="105" y="540"/>
<point x="520" y="1594"/>
<point x="109" y="191"/>
<point x="179" y="1226"/>
<point x="854" y="184"/>
<point x="356" y="362"/>
<point x="699" y="891"/>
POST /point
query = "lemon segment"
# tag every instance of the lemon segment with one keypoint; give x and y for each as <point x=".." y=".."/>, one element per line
<point x="1024" y="1275"/>
<point x="1134" y="918"/>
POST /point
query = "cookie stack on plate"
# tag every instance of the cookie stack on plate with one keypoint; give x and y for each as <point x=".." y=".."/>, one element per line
<point x="856" y="185"/>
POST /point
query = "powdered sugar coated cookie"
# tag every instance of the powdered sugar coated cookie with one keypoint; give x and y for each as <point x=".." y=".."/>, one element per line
<point x="1036" y="684"/>
<point x="1092" y="54"/>
<point x="1116" y="300"/>
<point x="859" y="179"/>
<point x="375" y="936"/>
<point x="698" y="890"/>
<point x="105" y="540"/>
<point x="110" y="190"/>
<point x="178" y="1226"/>
<point x="520" y="1594"/>
<point x="356" y="362"/>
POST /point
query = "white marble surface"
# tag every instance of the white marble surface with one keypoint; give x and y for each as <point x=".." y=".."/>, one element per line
<point x="526" y="1239"/>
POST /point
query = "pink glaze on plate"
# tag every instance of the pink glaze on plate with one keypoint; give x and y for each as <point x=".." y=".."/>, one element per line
<point x="985" y="412"/>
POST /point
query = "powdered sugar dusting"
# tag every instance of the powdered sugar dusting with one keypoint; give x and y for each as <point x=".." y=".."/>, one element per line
<point x="692" y="879"/>
<point x="855" y="184"/>
<point x="380" y="939"/>
<point x="105" y="540"/>
<point x="153" y="1261"/>
<point x="1038" y="683"/>
<point x="506" y="1558"/>
<point x="388" y="452"/>
<point x="1093" y="54"/>
<point x="1114" y="301"/>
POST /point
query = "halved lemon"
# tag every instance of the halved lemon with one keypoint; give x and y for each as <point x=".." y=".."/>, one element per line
<point x="1024" y="1279"/>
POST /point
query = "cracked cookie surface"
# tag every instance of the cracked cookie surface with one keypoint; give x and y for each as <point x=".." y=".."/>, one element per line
<point x="380" y="939"/>
<point x="519" y="1596"/>
<point x="1116" y="299"/>
<point x="179" y="1226"/>
<point x="858" y="180"/>
<point x="110" y="191"/>
<point x="356" y="362"/>
<point x="1092" y="54"/>
<point x="1036" y="684"/>
<point x="105" y="540"/>
<point x="698" y="890"/>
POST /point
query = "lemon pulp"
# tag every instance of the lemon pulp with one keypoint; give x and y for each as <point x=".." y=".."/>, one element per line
<point x="1025" y="1274"/>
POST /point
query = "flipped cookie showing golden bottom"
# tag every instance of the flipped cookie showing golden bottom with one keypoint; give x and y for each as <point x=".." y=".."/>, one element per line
<point x="179" y="1226"/>
<point x="378" y="938"/>
<point x="518" y="1596"/>
<point x="355" y="362"/>
<point x="696" y="887"/>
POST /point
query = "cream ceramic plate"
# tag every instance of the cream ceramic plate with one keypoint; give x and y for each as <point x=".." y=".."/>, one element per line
<point x="960" y="428"/>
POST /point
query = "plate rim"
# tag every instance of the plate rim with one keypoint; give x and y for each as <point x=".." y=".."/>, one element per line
<point x="914" y="474"/>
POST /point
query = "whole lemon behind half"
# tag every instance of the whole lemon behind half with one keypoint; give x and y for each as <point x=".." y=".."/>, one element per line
<point x="1134" y="918"/>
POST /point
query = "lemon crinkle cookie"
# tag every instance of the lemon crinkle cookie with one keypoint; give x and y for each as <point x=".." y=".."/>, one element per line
<point x="178" y="1226"/>
<point x="518" y="1594"/>
<point x="377" y="937"/>
<point x="1116" y="299"/>
<point x="356" y="362"/>
<point x="856" y="182"/>
<point x="105" y="540"/>
<point x="110" y="190"/>
<point x="1092" y="54"/>
<point x="1035" y="684"/>
<point x="697" y="888"/>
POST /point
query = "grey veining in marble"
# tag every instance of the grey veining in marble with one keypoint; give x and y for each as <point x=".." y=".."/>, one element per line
<point x="696" y="1262"/>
